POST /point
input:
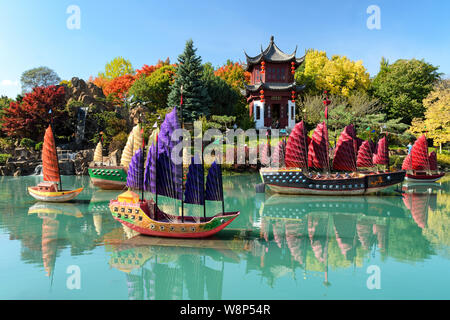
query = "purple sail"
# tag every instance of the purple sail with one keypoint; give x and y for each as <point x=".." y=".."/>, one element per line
<point x="195" y="185"/>
<point x="150" y="170"/>
<point x="214" y="187"/>
<point x="173" y="172"/>
<point x="136" y="171"/>
<point x="166" y="185"/>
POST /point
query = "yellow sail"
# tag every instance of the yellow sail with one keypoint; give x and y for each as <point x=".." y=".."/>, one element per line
<point x="98" y="154"/>
<point x="152" y="138"/>
<point x="134" y="142"/>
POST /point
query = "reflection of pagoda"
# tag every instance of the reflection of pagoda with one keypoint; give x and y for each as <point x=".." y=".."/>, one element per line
<point x="272" y="91"/>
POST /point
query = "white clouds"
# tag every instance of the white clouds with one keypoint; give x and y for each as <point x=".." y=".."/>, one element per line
<point x="9" y="83"/>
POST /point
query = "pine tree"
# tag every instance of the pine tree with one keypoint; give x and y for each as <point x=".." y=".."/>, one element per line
<point x="196" y="100"/>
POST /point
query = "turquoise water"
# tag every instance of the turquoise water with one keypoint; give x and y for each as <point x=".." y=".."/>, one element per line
<point x="390" y="246"/>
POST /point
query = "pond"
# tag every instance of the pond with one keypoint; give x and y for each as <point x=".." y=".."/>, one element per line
<point x="393" y="245"/>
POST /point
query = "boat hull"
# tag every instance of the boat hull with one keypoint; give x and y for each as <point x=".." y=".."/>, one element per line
<point x="296" y="182"/>
<point x="108" y="178"/>
<point x="135" y="217"/>
<point x="424" y="177"/>
<point x="59" y="196"/>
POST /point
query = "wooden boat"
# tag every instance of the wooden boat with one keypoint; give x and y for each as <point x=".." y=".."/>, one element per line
<point x="49" y="190"/>
<point x="293" y="173"/>
<point x="114" y="177"/>
<point x="162" y="177"/>
<point x="419" y="165"/>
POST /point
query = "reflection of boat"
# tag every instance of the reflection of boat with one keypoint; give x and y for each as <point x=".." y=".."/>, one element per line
<point x="53" y="209"/>
<point x="295" y="207"/>
<point x="303" y="153"/>
<point x="100" y="200"/>
<point x="421" y="166"/>
<point x="115" y="177"/>
<point x="163" y="177"/>
<point x="419" y="199"/>
<point x="49" y="190"/>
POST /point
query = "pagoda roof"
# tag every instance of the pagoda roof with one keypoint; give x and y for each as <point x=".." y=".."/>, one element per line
<point x="273" y="54"/>
<point x="273" y="86"/>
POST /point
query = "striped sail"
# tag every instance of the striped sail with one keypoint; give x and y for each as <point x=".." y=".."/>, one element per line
<point x="98" y="154"/>
<point x="419" y="154"/>
<point x="365" y="155"/>
<point x="382" y="153"/>
<point x="214" y="187"/>
<point x="344" y="155"/>
<point x="50" y="168"/>
<point x="150" y="169"/>
<point x="318" y="148"/>
<point x="170" y="173"/>
<point x="433" y="161"/>
<point x="297" y="147"/>
<point x="134" y="143"/>
<point x="195" y="185"/>
<point x="136" y="171"/>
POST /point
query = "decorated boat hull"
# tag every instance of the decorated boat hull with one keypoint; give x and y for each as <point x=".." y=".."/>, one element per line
<point x="136" y="216"/>
<point x="424" y="177"/>
<point x="108" y="178"/>
<point x="58" y="196"/>
<point x="295" y="182"/>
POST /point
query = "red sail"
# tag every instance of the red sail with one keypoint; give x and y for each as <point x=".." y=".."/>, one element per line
<point x="50" y="169"/>
<point x="407" y="164"/>
<point x="297" y="147"/>
<point x="278" y="154"/>
<point x="365" y="155"/>
<point x="382" y="154"/>
<point x="433" y="160"/>
<point x="419" y="208"/>
<point x="419" y="154"/>
<point x="318" y="147"/>
<point x="344" y="155"/>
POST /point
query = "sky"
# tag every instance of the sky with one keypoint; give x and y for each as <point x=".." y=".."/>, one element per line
<point x="35" y="33"/>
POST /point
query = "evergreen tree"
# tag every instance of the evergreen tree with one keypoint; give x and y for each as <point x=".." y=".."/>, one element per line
<point x="196" y="100"/>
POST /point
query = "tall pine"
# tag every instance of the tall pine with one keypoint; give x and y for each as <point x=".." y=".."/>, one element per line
<point x="196" y="100"/>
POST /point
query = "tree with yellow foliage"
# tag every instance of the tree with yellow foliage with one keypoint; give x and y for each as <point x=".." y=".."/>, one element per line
<point x="338" y="75"/>
<point x="436" y="123"/>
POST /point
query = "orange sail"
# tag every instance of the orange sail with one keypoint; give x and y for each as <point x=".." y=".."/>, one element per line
<point x="50" y="168"/>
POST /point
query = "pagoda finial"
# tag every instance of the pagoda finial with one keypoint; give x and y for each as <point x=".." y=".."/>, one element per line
<point x="271" y="39"/>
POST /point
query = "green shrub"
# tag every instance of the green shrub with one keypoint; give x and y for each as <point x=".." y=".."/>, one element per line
<point x="38" y="146"/>
<point x="443" y="160"/>
<point x="118" y="142"/>
<point x="27" y="143"/>
<point x="4" y="157"/>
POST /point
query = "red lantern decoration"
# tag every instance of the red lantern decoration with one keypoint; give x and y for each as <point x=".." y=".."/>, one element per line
<point x="263" y="66"/>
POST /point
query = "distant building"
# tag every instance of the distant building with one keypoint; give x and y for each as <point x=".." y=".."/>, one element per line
<point x="272" y="90"/>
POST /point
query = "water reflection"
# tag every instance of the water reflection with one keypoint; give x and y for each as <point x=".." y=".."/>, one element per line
<point x="275" y="238"/>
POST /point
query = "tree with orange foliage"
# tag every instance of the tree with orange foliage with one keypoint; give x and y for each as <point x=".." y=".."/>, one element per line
<point x="234" y="74"/>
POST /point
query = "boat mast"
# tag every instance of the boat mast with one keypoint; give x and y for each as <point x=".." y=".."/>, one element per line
<point x="56" y="151"/>
<point x="182" y="154"/>
<point x="142" y="161"/>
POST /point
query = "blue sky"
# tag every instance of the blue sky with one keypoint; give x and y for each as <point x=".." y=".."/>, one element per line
<point x="34" y="33"/>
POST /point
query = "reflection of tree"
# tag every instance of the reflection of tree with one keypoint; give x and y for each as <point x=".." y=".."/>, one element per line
<point x="438" y="228"/>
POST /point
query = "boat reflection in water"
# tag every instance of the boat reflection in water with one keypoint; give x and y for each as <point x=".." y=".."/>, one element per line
<point x="170" y="268"/>
<point x="48" y="213"/>
<point x="99" y="206"/>
<point x="419" y="199"/>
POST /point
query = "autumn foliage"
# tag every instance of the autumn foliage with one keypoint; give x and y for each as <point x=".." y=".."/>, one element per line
<point x="234" y="74"/>
<point x="30" y="118"/>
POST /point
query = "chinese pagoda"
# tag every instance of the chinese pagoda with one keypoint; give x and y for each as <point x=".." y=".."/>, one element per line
<point x="272" y="90"/>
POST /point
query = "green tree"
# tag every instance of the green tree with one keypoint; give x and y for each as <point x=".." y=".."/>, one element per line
<point x="196" y="100"/>
<point x="402" y="86"/>
<point x="38" y="77"/>
<point x="117" y="67"/>
<point x="155" y="88"/>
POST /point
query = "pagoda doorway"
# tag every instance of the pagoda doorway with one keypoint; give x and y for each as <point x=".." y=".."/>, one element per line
<point x="275" y="112"/>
